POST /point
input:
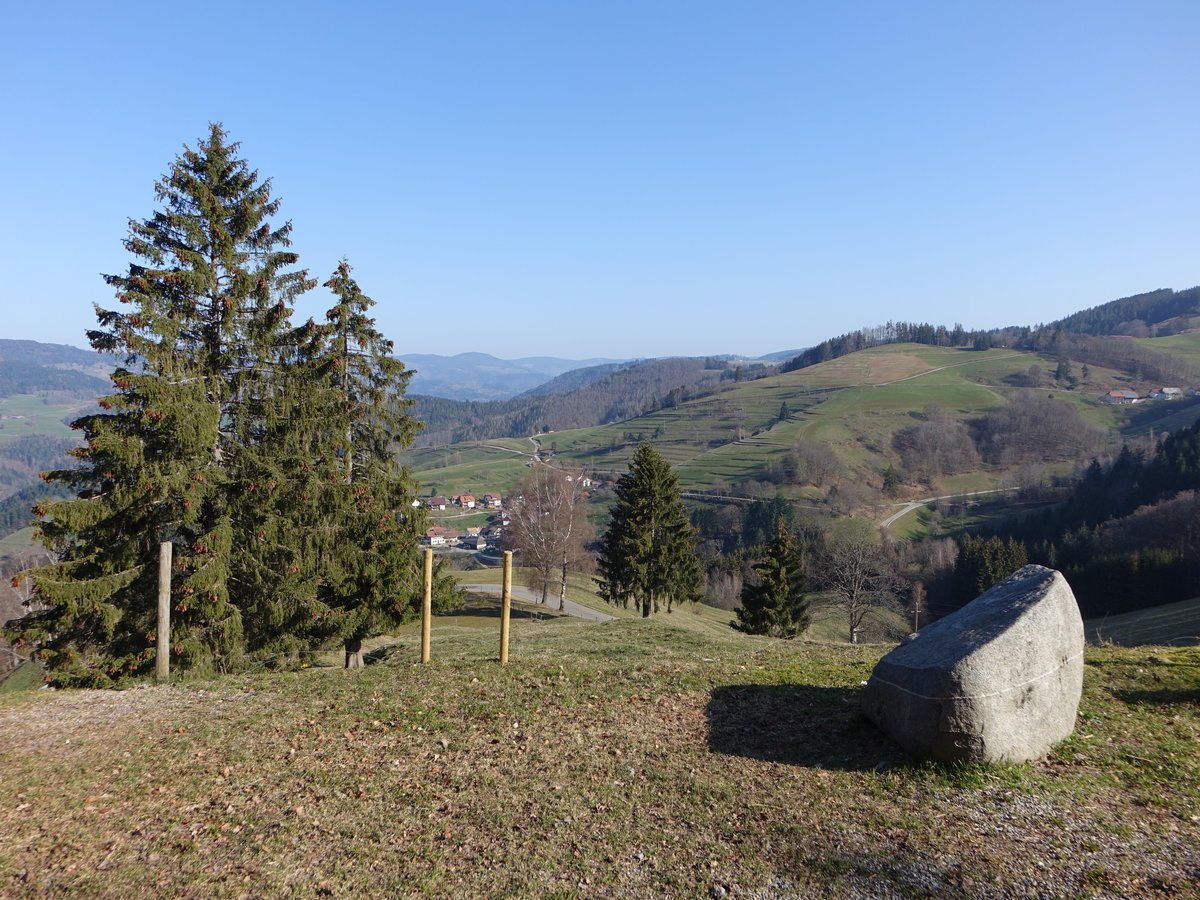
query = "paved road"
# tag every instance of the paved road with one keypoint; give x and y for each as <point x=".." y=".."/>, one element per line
<point x="913" y="504"/>
<point x="521" y="592"/>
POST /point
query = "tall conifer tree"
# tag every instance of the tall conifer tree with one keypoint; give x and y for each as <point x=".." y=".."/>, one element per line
<point x="181" y="451"/>
<point x="648" y="553"/>
<point x="369" y="575"/>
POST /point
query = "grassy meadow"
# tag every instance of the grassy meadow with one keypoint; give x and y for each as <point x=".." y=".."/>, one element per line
<point x="1171" y="623"/>
<point x="1186" y="346"/>
<point x="17" y="542"/>
<point x="636" y="758"/>
<point x="36" y="415"/>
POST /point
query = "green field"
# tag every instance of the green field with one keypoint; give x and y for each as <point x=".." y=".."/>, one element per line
<point x="1186" y="346"/>
<point x="25" y="677"/>
<point x="17" y="542"/>
<point x="467" y="469"/>
<point x="37" y="415"/>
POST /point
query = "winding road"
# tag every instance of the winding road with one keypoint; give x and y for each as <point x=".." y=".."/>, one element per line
<point x="914" y="504"/>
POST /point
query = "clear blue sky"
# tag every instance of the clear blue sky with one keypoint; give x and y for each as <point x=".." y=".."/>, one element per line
<point x="586" y="178"/>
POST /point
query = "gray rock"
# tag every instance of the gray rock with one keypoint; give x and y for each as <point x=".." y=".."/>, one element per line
<point x="999" y="680"/>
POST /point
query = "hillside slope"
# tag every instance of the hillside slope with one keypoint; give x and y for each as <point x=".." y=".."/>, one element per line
<point x="620" y="395"/>
<point x="855" y="405"/>
<point x="629" y="759"/>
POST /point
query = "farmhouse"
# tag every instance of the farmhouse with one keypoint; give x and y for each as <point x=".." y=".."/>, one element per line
<point x="1122" y="397"/>
<point x="1166" y="393"/>
<point x="441" y="537"/>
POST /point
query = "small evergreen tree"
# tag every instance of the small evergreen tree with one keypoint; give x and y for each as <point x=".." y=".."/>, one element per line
<point x="648" y="554"/>
<point x="776" y="605"/>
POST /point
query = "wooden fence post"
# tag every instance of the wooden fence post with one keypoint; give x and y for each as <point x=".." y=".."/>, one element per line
<point x="427" y="606"/>
<point x="505" y="607"/>
<point x="162" y="647"/>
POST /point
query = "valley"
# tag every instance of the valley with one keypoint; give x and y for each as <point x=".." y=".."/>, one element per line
<point x="853" y="405"/>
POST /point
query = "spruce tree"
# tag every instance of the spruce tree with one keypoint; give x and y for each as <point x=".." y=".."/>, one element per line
<point x="648" y="554"/>
<point x="182" y="450"/>
<point x="369" y="575"/>
<point x="776" y="604"/>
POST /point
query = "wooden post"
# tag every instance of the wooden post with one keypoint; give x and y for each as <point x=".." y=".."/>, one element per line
<point x="505" y="607"/>
<point x="162" y="646"/>
<point x="427" y="606"/>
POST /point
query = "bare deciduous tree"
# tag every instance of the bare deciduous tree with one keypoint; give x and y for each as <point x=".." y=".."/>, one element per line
<point x="918" y="605"/>
<point x="814" y="463"/>
<point x="549" y="526"/>
<point x="856" y="573"/>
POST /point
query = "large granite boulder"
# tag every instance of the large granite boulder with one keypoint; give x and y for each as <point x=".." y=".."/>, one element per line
<point x="999" y="680"/>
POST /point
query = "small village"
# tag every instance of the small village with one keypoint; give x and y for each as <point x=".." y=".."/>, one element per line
<point x="472" y="537"/>
<point x="489" y="536"/>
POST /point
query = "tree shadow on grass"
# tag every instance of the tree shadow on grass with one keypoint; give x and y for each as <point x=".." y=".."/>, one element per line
<point x="800" y="725"/>
<point x="493" y="612"/>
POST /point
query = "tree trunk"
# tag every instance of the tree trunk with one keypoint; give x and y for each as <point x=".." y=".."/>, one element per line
<point x="354" y="656"/>
<point x="647" y="608"/>
<point x="562" y="590"/>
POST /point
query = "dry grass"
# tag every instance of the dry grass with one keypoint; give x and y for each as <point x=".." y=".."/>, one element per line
<point x="1176" y="624"/>
<point x="630" y="759"/>
<point x="867" y="367"/>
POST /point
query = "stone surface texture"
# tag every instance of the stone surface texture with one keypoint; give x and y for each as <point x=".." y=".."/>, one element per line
<point x="997" y="681"/>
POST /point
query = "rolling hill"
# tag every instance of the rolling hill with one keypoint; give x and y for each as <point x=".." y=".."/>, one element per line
<point x="855" y="404"/>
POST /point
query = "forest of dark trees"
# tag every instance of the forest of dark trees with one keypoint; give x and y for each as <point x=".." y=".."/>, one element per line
<point x="23" y="458"/>
<point x="1153" y="309"/>
<point x="1128" y="535"/>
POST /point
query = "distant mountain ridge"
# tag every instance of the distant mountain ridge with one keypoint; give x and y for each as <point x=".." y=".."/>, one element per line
<point x="575" y="379"/>
<point x="604" y="397"/>
<point x="27" y="367"/>
<point x="481" y="376"/>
